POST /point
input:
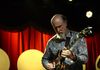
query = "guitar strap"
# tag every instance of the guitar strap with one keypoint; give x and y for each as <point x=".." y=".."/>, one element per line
<point x="67" y="41"/>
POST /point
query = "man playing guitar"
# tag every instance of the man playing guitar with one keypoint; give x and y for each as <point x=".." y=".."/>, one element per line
<point x="59" y="53"/>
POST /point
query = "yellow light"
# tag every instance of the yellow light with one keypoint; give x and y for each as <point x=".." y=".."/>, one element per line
<point x="97" y="60"/>
<point x="84" y="66"/>
<point x="89" y="14"/>
<point x="4" y="60"/>
<point x="30" y="60"/>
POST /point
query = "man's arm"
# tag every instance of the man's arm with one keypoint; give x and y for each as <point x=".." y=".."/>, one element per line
<point x="46" y="57"/>
<point x="81" y="56"/>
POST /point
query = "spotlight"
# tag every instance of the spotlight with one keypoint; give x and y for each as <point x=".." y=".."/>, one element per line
<point x="70" y="0"/>
<point x="89" y="14"/>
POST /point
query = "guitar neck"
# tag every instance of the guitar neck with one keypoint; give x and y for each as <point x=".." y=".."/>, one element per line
<point x="74" y="42"/>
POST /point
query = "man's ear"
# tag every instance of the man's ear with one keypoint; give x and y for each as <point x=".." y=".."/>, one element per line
<point x="65" y="23"/>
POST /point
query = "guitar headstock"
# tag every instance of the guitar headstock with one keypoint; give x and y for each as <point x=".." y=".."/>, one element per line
<point x="85" y="32"/>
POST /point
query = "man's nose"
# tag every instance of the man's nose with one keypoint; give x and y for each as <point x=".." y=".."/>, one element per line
<point x="58" y="29"/>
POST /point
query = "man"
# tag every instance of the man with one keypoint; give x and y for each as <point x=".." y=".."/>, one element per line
<point x="73" y="59"/>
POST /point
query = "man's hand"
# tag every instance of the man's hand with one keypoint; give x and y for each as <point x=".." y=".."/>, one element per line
<point x="51" y="66"/>
<point x="67" y="53"/>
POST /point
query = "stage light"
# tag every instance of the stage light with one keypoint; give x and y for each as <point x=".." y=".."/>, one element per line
<point x="30" y="60"/>
<point x="96" y="64"/>
<point x="4" y="60"/>
<point x="70" y="0"/>
<point x="89" y="14"/>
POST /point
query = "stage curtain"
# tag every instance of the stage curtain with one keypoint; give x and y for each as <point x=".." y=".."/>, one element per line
<point x="14" y="43"/>
<point x="93" y="45"/>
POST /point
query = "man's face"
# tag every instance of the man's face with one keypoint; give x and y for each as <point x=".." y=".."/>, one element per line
<point x="60" y="25"/>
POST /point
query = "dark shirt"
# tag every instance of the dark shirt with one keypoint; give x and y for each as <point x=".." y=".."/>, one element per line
<point x="80" y="50"/>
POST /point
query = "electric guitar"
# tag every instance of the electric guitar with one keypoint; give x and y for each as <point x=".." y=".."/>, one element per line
<point x="59" y="65"/>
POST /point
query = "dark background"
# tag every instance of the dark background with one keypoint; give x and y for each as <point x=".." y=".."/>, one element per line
<point x="15" y="15"/>
<point x="32" y="16"/>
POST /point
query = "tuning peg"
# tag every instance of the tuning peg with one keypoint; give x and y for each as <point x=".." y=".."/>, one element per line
<point x="90" y="31"/>
<point x="89" y="27"/>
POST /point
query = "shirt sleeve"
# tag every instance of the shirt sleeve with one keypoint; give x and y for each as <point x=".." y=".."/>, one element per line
<point x="81" y="54"/>
<point x="46" y="56"/>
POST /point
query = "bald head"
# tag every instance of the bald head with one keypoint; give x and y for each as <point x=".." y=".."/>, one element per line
<point x="59" y="23"/>
<point x="57" y="17"/>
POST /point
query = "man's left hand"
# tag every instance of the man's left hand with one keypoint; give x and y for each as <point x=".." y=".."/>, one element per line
<point x="67" y="53"/>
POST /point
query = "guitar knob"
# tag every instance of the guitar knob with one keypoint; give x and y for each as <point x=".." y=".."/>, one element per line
<point x="90" y="27"/>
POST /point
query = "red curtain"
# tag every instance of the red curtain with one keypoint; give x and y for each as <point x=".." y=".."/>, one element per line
<point x="14" y="43"/>
<point x="93" y="45"/>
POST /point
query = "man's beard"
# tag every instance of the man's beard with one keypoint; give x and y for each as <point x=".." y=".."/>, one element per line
<point x="61" y="36"/>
